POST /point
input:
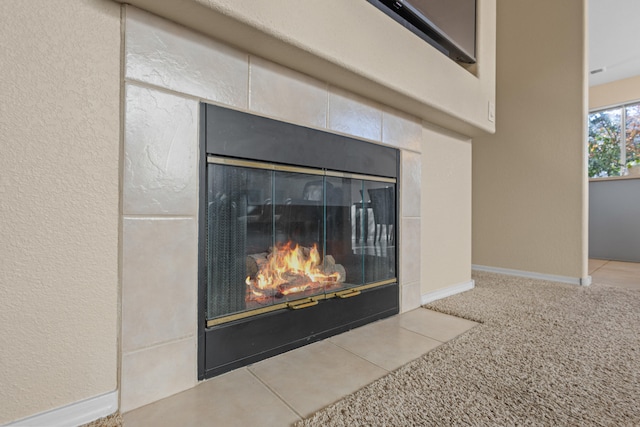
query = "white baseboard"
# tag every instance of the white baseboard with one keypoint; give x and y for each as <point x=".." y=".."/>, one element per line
<point x="74" y="414"/>
<point x="446" y="292"/>
<point x="582" y="281"/>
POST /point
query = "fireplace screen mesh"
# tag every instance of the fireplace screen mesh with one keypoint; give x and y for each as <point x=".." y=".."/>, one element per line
<point x="280" y="234"/>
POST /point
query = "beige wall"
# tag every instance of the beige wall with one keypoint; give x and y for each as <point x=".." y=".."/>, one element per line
<point x="61" y="63"/>
<point x="618" y="92"/>
<point x="59" y="121"/>
<point x="353" y="45"/>
<point x="446" y="209"/>
<point x="529" y="179"/>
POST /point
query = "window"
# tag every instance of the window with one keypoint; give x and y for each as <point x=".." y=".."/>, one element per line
<point x="614" y="141"/>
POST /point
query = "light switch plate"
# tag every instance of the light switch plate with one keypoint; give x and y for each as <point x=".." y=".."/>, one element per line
<point x="491" y="116"/>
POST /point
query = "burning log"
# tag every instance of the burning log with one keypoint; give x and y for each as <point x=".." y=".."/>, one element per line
<point x="288" y="270"/>
<point x="255" y="262"/>
<point x="330" y="267"/>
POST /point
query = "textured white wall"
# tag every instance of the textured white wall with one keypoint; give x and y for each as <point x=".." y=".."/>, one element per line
<point x="59" y="121"/>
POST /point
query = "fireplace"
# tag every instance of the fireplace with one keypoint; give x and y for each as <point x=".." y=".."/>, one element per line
<point x="297" y="237"/>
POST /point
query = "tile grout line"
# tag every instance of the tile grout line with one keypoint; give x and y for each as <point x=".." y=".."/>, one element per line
<point x="360" y="357"/>
<point x="158" y="344"/>
<point x="439" y="340"/>
<point x="427" y="336"/>
<point x="606" y="262"/>
<point x="440" y="343"/>
<point x="328" y="340"/>
<point x="274" y="392"/>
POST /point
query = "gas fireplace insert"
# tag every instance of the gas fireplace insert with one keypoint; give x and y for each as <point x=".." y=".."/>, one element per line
<point x="297" y="237"/>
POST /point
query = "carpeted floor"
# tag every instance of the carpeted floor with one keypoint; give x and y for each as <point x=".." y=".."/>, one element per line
<point x="113" y="420"/>
<point x="546" y="354"/>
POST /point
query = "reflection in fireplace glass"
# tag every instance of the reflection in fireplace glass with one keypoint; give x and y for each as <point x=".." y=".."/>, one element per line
<point x="275" y="236"/>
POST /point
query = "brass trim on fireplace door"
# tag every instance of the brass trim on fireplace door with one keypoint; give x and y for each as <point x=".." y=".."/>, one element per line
<point x="360" y="176"/>
<point x="307" y="301"/>
<point x="347" y="294"/>
<point x="300" y="303"/>
<point x="260" y="165"/>
<point x="296" y="169"/>
<point x="245" y="314"/>
<point x="303" y="303"/>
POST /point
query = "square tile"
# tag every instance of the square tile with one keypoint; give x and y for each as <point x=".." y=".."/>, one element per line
<point x="410" y="183"/>
<point x="354" y="115"/>
<point x="432" y="324"/>
<point x="624" y="275"/>
<point x="160" y="153"/>
<point x="385" y="344"/>
<point x="314" y="376"/>
<point x="410" y="296"/>
<point x="159" y="280"/>
<point x="595" y="264"/>
<point x="168" y="55"/>
<point x="401" y="130"/>
<point x="237" y="398"/>
<point x="287" y="95"/>
<point x="615" y="280"/>
<point x="410" y="250"/>
<point x="157" y="372"/>
<point x="632" y="268"/>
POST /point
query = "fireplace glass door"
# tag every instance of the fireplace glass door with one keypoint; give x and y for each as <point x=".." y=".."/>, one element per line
<point x="278" y="235"/>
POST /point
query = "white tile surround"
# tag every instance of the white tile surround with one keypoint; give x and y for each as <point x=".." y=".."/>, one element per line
<point x="168" y="71"/>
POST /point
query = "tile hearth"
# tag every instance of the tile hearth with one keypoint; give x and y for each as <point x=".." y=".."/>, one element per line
<point x="286" y="388"/>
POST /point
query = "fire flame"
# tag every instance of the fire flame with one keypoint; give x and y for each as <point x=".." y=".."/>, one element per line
<point x="289" y="269"/>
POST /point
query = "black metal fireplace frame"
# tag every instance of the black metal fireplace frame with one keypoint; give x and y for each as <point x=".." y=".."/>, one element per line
<point x="238" y="135"/>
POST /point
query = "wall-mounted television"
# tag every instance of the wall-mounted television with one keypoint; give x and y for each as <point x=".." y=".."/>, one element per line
<point x="448" y="25"/>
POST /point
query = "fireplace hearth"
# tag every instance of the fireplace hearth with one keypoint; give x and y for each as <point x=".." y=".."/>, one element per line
<point x="297" y="237"/>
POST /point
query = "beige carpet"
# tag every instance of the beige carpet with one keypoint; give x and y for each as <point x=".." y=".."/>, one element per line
<point x="113" y="420"/>
<point x="546" y="354"/>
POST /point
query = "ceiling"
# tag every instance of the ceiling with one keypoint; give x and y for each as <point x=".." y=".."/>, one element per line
<point x="614" y="40"/>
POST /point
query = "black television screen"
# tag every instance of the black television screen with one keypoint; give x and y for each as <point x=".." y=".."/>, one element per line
<point x="448" y="25"/>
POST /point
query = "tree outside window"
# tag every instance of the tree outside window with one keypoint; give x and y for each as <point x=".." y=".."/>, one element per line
<point x="607" y="155"/>
<point x="604" y="143"/>
<point x="632" y="136"/>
